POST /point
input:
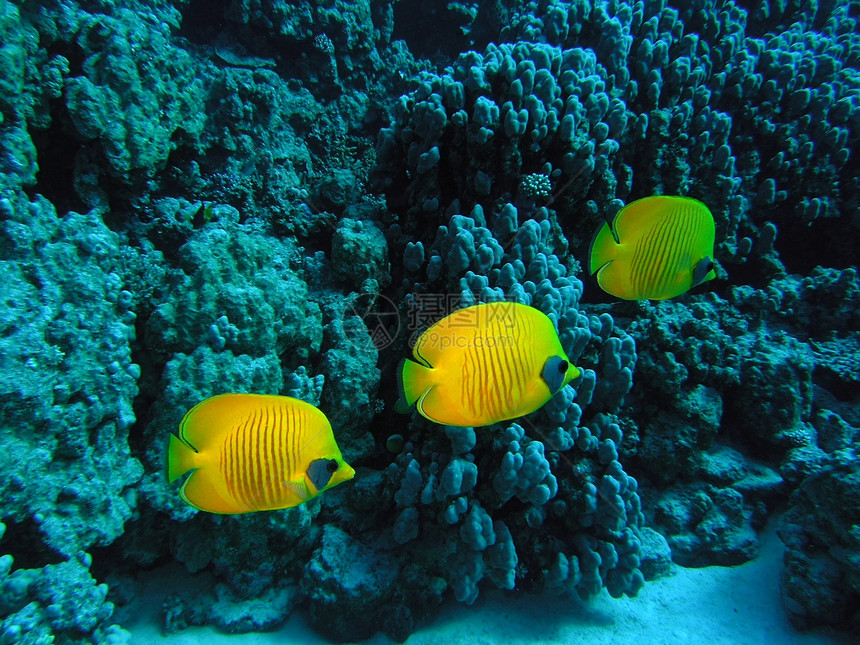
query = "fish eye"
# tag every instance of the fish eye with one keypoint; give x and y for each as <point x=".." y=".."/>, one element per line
<point x="554" y="372"/>
<point x="331" y="466"/>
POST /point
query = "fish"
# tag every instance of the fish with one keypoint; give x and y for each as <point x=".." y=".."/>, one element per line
<point x="656" y="248"/>
<point x="483" y="364"/>
<point x="254" y="452"/>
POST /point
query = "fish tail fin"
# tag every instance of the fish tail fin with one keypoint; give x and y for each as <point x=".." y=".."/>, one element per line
<point x="603" y="248"/>
<point x="413" y="380"/>
<point x="180" y="458"/>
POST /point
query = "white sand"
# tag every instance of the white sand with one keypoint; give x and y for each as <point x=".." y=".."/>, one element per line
<point x="716" y="606"/>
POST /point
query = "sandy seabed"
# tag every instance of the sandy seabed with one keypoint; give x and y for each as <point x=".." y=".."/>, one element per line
<point x="714" y="606"/>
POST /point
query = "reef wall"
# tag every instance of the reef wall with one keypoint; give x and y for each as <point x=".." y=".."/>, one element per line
<point x="199" y="197"/>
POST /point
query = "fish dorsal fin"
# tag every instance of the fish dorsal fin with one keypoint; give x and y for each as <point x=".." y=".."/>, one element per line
<point x="207" y="423"/>
<point x="431" y="344"/>
<point x="455" y="330"/>
<point x="637" y="217"/>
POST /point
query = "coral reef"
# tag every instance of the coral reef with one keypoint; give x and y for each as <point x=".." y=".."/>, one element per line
<point x="67" y="390"/>
<point x="819" y="582"/>
<point x="199" y="197"/>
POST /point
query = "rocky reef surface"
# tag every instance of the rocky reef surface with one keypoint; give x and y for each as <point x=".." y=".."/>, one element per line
<point x="199" y="197"/>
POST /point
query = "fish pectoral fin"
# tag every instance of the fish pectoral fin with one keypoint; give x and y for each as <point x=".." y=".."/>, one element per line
<point x="299" y="488"/>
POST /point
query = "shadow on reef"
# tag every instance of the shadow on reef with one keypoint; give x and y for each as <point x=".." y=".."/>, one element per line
<point x="198" y="198"/>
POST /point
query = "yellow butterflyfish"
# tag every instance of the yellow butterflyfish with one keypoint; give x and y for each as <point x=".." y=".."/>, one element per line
<point x="656" y="248"/>
<point x="254" y="452"/>
<point x="483" y="364"/>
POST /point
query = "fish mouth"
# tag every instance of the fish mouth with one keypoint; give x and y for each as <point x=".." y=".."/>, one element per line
<point x="345" y="472"/>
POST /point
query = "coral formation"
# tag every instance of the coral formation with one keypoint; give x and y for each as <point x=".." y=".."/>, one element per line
<point x="819" y="582"/>
<point x="199" y="198"/>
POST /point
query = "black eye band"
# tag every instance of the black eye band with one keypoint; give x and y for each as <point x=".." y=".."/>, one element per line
<point x="331" y="466"/>
<point x="554" y="372"/>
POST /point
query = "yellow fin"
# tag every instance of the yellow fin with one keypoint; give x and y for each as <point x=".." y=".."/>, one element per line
<point x="204" y="425"/>
<point x="180" y="458"/>
<point x="300" y="489"/>
<point x="438" y="339"/>
<point x="415" y="380"/>
<point x="432" y="399"/>
<point x="200" y="490"/>
<point x="603" y="249"/>
<point x="639" y="216"/>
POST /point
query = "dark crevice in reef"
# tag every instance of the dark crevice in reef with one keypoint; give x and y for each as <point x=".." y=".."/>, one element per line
<point x="209" y="25"/>
<point x="203" y="20"/>
<point x="182" y="171"/>
<point x="146" y="535"/>
<point x="749" y="273"/>
<point x="57" y="150"/>
<point x="843" y="390"/>
<point x="802" y="247"/>
<point x="411" y="18"/>
<point x="23" y="541"/>
<point x="138" y="441"/>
